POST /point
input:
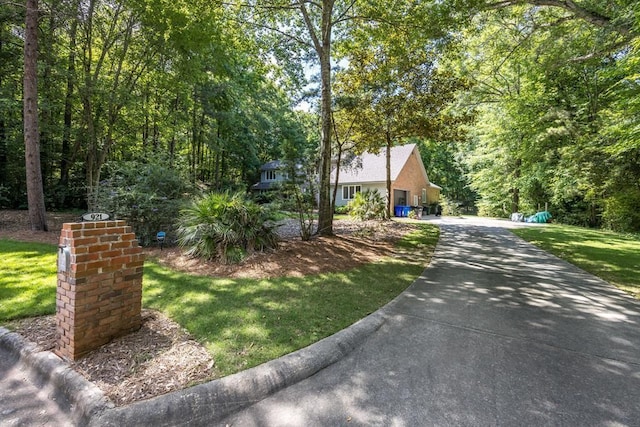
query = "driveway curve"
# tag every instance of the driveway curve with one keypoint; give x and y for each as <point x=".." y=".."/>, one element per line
<point x="495" y="333"/>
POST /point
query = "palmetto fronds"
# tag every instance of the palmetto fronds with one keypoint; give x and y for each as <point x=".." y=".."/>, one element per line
<point x="226" y="227"/>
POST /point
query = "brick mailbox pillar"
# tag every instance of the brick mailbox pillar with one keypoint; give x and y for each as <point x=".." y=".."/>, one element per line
<point x="99" y="294"/>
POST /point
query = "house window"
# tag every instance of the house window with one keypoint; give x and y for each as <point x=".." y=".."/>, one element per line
<point x="270" y="175"/>
<point x="424" y="196"/>
<point x="415" y="200"/>
<point x="349" y="191"/>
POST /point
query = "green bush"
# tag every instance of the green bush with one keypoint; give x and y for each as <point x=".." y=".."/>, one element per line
<point x="577" y="211"/>
<point x="449" y="207"/>
<point x="622" y="211"/>
<point x="4" y="200"/>
<point x="366" y="205"/>
<point x="226" y="227"/>
<point x="149" y="196"/>
<point x="341" y="210"/>
<point x="302" y="204"/>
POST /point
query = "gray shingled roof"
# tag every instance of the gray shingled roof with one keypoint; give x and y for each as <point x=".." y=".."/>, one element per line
<point x="272" y="165"/>
<point x="373" y="167"/>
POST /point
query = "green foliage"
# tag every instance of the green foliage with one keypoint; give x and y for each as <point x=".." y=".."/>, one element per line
<point x="303" y="204"/>
<point x="120" y="80"/>
<point x="299" y="190"/>
<point x="556" y="116"/>
<point x="622" y="210"/>
<point x="449" y="207"/>
<point x="226" y="227"/>
<point x="446" y="167"/>
<point x="368" y="204"/>
<point x="342" y="210"/>
<point x="4" y="200"/>
<point x="148" y="194"/>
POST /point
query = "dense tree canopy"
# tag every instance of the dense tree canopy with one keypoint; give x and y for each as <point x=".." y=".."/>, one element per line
<point x="547" y="92"/>
<point x="121" y="80"/>
<point x="528" y="104"/>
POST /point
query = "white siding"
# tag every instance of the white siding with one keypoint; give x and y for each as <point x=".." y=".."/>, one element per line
<point x="382" y="189"/>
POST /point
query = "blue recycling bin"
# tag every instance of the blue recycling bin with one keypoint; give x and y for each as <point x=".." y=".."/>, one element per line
<point x="401" y="210"/>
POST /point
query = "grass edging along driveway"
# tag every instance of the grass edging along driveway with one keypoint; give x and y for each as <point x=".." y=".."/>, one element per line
<point x="242" y="322"/>
<point x="613" y="257"/>
<point x="245" y="322"/>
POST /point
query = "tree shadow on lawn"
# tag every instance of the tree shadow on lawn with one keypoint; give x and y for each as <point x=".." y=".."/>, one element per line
<point x="245" y="322"/>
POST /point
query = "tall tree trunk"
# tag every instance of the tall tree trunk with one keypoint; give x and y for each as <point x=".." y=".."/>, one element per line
<point x="323" y="49"/>
<point x="65" y="159"/>
<point x="337" y="180"/>
<point x="172" y="143"/>
<point x="515" y="191"/>
<point x="3" y="151"/>
<point x="35" y="191"/>
<point x="3" y="134"/>
<point x="146" y="102"/>
<point x="194" y="137"/>
<point x="218" y="163"/>
<point x="387" y="214"/>
<point x="325" y="216"/>
<point x="47" y="117"/>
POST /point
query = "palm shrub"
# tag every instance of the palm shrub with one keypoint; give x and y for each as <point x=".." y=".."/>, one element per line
<point x="368" y="204"/>
<point x="226" y="227"/>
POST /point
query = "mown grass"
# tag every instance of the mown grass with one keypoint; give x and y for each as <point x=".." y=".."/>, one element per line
<point x="242" y="322"/>
<point x="611" y="256"/>
<point x="245" y="322"/>
<point x="27" y="279"/>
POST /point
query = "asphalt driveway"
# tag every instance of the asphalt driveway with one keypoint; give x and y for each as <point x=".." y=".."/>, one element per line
<point x="495" y="332"/>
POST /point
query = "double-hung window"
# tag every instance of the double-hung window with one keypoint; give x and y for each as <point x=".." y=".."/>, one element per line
<point x="270" y="175"/>
<point x="349" y="191"/>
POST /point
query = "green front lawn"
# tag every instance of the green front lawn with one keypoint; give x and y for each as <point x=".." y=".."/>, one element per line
<point x="27" y="279"/>
<point x="242" y="322"/>
<point x="611" y="256"/>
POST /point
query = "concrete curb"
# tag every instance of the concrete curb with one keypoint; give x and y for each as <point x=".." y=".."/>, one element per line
<point x="76" y="396"/>
<point x="207" y="403"/>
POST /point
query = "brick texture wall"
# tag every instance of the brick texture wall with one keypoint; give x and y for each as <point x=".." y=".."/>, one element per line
<point x="411" y="179"/>
<point x="99" y="295"/>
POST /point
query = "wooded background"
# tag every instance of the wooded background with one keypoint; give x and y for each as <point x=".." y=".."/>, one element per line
<point x="516" y="105"/>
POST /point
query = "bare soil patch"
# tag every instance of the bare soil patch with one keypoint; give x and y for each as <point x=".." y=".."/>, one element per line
<point x="162" y="357"/>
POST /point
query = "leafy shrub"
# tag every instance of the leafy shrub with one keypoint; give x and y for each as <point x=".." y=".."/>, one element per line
<point x="149" y="196"/>
<point x="226" y="227"/>
<point x="449" y="207"/>
<point x="302" y="204"/>
<point x="342" y="210"/>
<point x="366" y="205"/>
<point x="622" y="211"/>
<point x="4" y="200"/>
<point x="577" y="211"/>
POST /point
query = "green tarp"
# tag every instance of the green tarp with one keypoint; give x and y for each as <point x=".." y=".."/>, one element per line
<point x="540" y="217"/>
